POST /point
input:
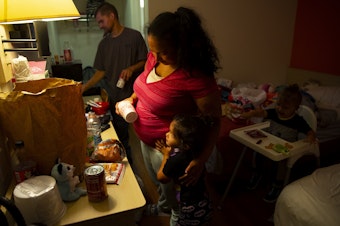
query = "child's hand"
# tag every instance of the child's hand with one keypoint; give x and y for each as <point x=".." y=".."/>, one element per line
<point x="160" y="144"/>
<point x="311" y="137"/>
<point x="162" y="147"/>
<point x="257" y="112"/>
<point x="246" y="115"/>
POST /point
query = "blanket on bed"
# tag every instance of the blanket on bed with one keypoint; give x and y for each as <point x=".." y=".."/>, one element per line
<point x="313" y="200"/>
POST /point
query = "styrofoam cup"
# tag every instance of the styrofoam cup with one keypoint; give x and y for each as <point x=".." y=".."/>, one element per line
<point x="127" y="111"/>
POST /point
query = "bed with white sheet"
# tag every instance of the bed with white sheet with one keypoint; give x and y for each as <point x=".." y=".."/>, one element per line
<point x="313" y="200"/>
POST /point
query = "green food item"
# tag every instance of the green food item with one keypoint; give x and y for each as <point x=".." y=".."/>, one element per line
<point x="280" y="149"/>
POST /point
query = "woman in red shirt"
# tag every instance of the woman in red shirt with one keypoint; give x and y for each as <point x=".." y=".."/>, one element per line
<point x="178" y="79"/>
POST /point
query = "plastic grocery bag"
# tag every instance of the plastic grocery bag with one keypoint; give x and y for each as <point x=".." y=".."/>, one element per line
<point x="20" y="68"/>
<point x="255" y="96"/>
<point x="49" y="116"/>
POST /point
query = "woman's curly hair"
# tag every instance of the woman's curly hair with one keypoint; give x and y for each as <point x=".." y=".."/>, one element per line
<point x="183" y="32"/>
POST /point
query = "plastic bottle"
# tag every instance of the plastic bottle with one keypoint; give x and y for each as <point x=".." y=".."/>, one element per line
<point x="93" y="132"/>
<point x="23" y="168"/>
<point x="67" y="52"/>
<point x="20" y="150"/>
<point x="121" y="83"/>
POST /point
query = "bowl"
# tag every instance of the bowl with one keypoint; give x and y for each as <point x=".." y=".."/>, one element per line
<point x="104" y="106"/>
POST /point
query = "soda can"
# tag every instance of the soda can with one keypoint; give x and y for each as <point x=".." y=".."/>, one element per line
<point x="95" y="183"/>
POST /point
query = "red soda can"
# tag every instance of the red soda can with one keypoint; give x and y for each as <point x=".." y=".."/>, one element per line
<point x="95" y="183"/>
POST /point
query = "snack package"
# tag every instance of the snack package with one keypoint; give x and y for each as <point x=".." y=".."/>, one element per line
<point x="114" y="172"/>
<point x="110" y="150"/>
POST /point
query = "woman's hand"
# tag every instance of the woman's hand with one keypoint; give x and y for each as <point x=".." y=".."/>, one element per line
<point x="208" y="106"/>
<point x="192" y="173"/>
<point x="132" y="100"/>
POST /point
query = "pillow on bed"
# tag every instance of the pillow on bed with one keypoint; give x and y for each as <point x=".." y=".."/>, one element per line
<point x="308" y="101"/>
<point x="326" y="97"/>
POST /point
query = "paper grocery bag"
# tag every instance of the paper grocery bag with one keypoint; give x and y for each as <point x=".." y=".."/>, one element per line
<point x="49" y="116"/>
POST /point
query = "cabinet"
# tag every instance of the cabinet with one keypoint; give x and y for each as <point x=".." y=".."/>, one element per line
<point x="72" y="70"/>
<point x="5" y="58"/>
<point x="29" y="37"/>
<point x="5" y="68"/>
<point x="24" y="39"/>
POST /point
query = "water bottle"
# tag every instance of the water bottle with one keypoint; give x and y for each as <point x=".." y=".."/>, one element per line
<point x="93" y="132"/>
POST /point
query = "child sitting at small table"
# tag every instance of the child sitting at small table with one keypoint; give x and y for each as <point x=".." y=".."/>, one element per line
<point x="286" y="124"/>
<point x="185" y="141"/>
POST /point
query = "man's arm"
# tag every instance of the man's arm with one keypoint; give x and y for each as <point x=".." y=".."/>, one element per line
<point x="127" y="72"/>
<point x="98" y="75"/>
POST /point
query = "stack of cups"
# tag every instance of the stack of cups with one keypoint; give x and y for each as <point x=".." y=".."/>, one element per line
<point x="39" y="200"/>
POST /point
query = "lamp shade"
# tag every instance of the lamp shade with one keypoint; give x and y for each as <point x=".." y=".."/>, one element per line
<point x="24" y="11"/>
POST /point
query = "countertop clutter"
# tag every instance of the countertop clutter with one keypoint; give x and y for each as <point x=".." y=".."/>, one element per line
<point x="120" y="207"/>
<point x="123" y="201"/>
<point x="100" y="107"/>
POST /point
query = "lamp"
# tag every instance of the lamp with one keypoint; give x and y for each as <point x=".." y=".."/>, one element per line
<point x="27" y="11"/>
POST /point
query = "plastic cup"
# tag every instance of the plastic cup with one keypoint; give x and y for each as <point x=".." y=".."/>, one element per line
<point x="127" y="111"/>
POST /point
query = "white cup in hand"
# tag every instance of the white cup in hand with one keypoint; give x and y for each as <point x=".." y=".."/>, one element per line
<point x="127" y="111"/>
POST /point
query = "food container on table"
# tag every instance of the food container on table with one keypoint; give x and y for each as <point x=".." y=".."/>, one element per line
<point x="102" y="108"/>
